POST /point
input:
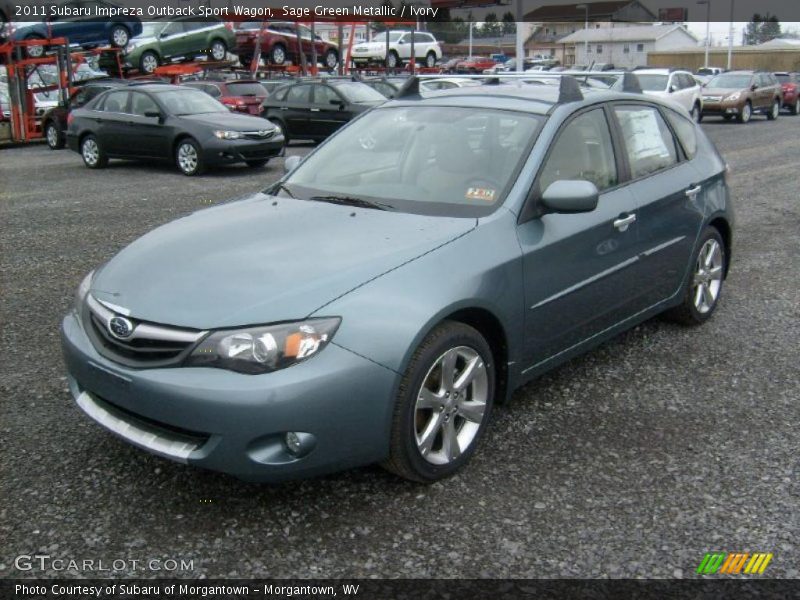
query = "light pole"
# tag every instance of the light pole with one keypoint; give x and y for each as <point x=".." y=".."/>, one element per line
<point x="730" y="40"/>
<point x="586" y="31"/>
<point x="708" y="26"/>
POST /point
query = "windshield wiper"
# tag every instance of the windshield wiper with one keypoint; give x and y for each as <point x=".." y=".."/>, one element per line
<point x="350" y="201"/>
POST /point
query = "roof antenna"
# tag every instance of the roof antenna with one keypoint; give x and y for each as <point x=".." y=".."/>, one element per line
<point x="409" y="89"/>
<point x="569" y="90"/>
<point x="630" y="83"/>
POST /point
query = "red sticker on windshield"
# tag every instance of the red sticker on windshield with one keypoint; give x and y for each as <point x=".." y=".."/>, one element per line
<point x="476" y="193"/>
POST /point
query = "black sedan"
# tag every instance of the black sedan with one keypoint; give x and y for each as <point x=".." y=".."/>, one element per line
<point x="313" y="109"/>
<point x="167" y="122"/>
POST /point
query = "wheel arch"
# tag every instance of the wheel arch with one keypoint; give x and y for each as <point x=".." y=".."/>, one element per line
<point x="722" y="225"/>
<point x="179" y="138"/>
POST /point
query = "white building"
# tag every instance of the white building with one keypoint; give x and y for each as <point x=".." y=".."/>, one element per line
<point x="626" y="47"/>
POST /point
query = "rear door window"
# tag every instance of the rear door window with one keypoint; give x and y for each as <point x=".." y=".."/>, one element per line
<point x="299" y="94"/>
<point x="685" y="130"/>
<point x="116" y="102"/>
<point x="648" y="142"/>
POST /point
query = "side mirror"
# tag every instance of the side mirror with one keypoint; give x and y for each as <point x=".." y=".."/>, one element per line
<point x="671" y="89"/>
<point x="754" y="87"/>
<point x="290" y="164"/>
<point x="153" y="114"/>
<point x="570" y="196"/>
<point x="336" y="102"/>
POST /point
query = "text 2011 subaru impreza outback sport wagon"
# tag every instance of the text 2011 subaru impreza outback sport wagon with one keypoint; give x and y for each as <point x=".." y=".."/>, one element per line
<point x="424" y="262"/>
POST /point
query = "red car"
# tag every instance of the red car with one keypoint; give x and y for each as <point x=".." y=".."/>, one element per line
<point x="790" y="82"/>
<point x="476" y="64"/>
<point x="279" y="43"/>
<point x="239" y="95"/>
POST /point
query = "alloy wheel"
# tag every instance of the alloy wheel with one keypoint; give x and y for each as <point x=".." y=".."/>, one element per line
<point x="35" y="51"/>
<point x="776" y="109"/>
<point x="90" y="152"/>
<point x="149" y="63"/>
<point x="707" y="279"/>
<point x="52" y="136"/>
<point x="120" y="37"/>
<point x="450" y="405"/>
<point x="746" y="112"/>
<point x="797" y="106"/>
<point x="278" y="55"/>
<point x="187" y="158"/>
<point x="391" y="60"/>
<point x="331" y="60"/>
<point x="218" y="51"/>
<point x="430" y="61"/>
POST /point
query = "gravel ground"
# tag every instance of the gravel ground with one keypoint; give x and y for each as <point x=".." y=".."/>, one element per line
<point x="632" y="461"/>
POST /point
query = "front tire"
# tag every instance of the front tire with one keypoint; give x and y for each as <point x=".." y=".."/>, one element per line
<point x="443" y="404"/>
<point x="119" y="36"/>
<point x="189" y="158"/>
<point x="277" y="55"/>
<point x="92" y="153"/>
<point x="35" y="51"/>
<point x="148" y="62"/>
<point x="392" y="60"/>
<point x="54" y="136"/>
<point x="218" y="50"/>
<point x="775" y="111"/>
<point x="697" y="114"/>
<point x="704" y="286"/>
<point x="747" y="113"/>
<point x="430" y="60"/>
<point x="331" y="59"/>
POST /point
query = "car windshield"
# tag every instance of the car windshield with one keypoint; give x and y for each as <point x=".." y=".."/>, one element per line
<point x="359" y="92"/>
<point x="150" y="29"/>
<point x="445" y="161"/>
<point x="652" y="83"/>
<point x="189" y="102"/>
<point x="393" y="36"/>
<point x="728" y="80"/>
<point x="246" y="88"/>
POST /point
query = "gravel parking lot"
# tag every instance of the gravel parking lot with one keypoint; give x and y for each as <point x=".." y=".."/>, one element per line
<point x="632" y="461"/>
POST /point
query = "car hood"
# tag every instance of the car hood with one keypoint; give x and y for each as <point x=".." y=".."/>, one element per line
<point x="232" y="121"/>
<point x="263" y="260"/>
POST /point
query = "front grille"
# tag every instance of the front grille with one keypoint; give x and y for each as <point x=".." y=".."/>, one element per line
<point x="148" y="345"/>
<point x="259" y="135"/>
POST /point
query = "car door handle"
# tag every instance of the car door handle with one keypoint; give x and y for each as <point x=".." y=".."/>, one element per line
<point x="624" y="222"/>
<point x="693" y="191"/>
<point x="284" y="108"/>
<point x="314" y="110"/>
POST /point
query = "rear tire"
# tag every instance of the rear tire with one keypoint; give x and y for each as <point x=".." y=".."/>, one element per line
<point x="218" y="50"/>
<point x="92" y="153"/>
<point x="393" y="60"/>
<point x="256" y="164"/>
<point x="775" y="111"/>
<point x="277" y="55"/>
<point x="54" y="136"/>
<point x="443" y="404"/>
<point x="703" y="288"/>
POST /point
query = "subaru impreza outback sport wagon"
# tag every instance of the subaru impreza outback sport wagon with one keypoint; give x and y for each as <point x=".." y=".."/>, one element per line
<point x="428" y="259"/>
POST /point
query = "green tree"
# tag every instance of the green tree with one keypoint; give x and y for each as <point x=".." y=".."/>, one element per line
<point x="762" y="29"/>
<point x="509" y="24"/>
<point x="490" y="27"/>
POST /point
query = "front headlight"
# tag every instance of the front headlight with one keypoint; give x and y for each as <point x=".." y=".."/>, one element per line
<point x="229" y="135"/>
<point x="264" y="349"/>
<point x="83" y="289"/>
<point x="734" y="96"/>
<point x="131" y="46"/>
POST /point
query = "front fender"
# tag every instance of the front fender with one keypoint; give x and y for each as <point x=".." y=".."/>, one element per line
<point x="386" y="319"/>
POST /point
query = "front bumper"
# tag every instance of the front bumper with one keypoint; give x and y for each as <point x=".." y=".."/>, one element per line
<point x="722" y="108"/>
<point x="235" y="423"/>
<point x="221" y="152"/>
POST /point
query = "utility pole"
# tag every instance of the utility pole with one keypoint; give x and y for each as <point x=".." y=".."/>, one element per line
<point x="708" y="27"/>
<point x="730" y="40"/>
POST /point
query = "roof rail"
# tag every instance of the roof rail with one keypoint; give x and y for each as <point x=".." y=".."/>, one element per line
<point x="409" y="89"/>
<point x="569" y="90"/>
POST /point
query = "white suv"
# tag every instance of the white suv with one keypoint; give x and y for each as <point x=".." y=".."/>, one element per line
<point x="427" y="51"/>
<point x="679" y="86"/>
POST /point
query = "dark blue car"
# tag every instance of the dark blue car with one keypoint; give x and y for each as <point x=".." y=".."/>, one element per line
<point x="76" y="20"/>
